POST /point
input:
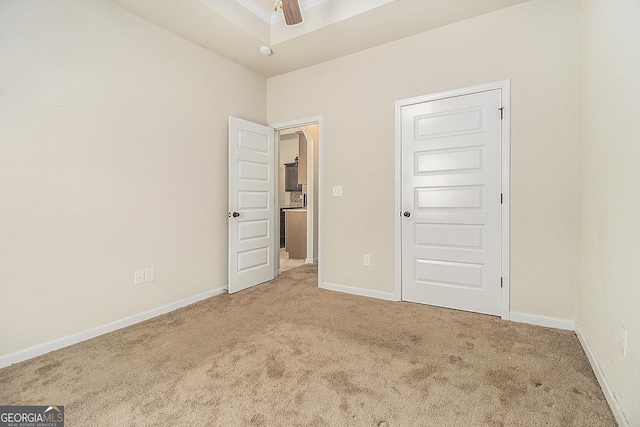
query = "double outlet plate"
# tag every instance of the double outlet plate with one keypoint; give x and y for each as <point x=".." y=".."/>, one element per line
<point x="144" y="276"/>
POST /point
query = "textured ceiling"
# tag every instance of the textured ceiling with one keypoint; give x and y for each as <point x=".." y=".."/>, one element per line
<point x="331" y="29"/>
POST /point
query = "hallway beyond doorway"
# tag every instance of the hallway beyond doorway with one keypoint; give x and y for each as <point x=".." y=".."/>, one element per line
<point x="287" y="263"/>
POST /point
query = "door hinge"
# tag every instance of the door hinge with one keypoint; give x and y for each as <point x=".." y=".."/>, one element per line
<point x="501" y="282"/>
<point x="501" y="113"/>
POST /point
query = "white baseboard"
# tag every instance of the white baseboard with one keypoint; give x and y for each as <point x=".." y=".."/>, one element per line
<point x="389" y="296"/>
<point x="606" y="389"/>
<point x="40" y="349"/>
<point x="549" y="322"/>
<point x="311" y="261"/>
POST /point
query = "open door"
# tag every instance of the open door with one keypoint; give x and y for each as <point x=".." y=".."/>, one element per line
<point x="252" y="198"/>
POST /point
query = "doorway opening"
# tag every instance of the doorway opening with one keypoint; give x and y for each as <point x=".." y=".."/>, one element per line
<point x="298" y="184"/>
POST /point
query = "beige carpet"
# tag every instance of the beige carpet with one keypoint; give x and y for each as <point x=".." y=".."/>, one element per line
<point x="289" y="354"/>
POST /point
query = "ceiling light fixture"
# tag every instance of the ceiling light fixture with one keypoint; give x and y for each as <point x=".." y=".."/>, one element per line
<point x="291" y="11"/>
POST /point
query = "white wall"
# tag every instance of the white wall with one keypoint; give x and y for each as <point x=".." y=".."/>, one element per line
<point x="535" y="44"/>
<point x="113" y="158"/>
<point x="609" y="292"/>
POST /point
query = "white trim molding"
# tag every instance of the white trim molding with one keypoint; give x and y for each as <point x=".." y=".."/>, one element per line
<point x="602" y="380"/>
<point x="388" y="296"/>
<point x="536" y="319"/>
<point x="40" y="349"/>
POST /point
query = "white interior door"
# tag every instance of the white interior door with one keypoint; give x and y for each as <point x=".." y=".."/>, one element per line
<point x="252" y="199"/>
<point x="451" y="202"/>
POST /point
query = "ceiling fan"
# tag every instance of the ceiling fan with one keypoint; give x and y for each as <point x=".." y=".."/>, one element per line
<point x="291" y="11"/>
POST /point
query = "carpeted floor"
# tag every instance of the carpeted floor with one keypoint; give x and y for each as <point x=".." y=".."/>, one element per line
<point x="287" y="353"/>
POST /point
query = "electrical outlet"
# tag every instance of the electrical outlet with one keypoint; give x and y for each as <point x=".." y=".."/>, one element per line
<point x="623" y="340"/>
<point x="150" y="274"/>
<point x="367" y="259"/>
<point x="139" y="277"/>
<point x="337" y="190"/>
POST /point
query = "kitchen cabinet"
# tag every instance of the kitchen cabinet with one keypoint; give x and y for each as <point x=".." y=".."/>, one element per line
<point x="296" y="233"/>
<point x="295" y="173"/>
<point x="291" y="177"/>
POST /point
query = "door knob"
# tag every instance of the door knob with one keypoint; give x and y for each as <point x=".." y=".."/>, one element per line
<point x="407" y="214"/>
<point x="236" y="214"/>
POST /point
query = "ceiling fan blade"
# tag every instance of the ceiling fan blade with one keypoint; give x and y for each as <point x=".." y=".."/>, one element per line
<point x="291" y="10"/>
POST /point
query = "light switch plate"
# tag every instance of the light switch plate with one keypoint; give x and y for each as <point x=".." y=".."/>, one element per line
<point x="337" y="190"/>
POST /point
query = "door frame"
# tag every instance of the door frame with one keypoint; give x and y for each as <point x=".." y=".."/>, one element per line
<point x="505" y="87"/>
<point x="316" y="120"/>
